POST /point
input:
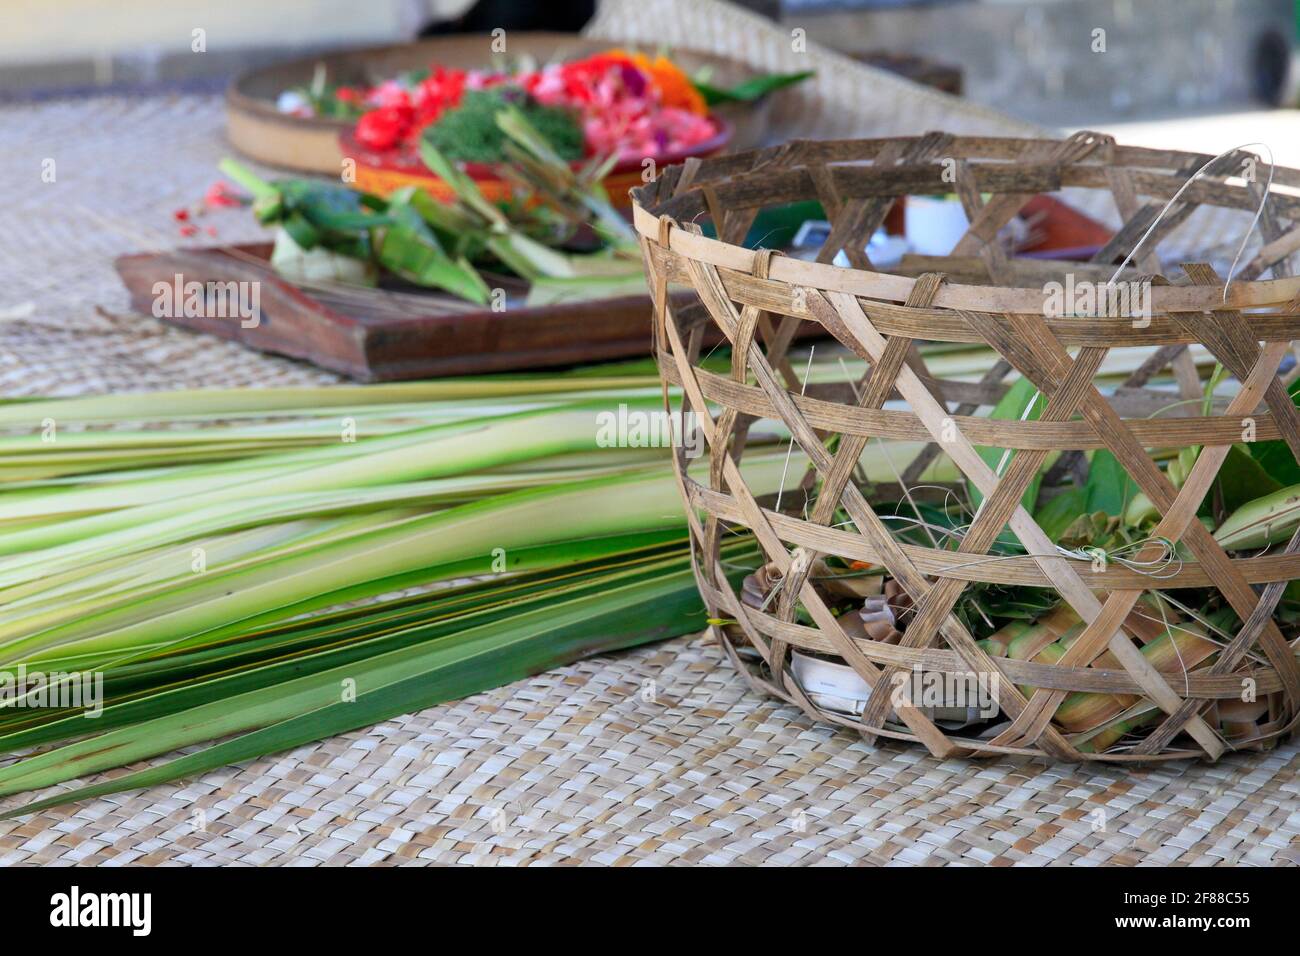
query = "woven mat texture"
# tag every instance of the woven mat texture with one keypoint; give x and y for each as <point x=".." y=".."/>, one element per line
<point x="657" y="756"/>
<point x="122" y="166"/>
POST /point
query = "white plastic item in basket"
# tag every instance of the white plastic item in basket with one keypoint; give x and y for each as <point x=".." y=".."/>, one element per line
<point x="839" y="687"/>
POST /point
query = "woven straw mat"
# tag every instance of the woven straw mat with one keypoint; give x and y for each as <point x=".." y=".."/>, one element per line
<point x="577" y="765"/>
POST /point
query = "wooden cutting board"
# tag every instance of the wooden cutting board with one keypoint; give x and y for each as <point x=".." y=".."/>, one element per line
<point x="387" y="334"/>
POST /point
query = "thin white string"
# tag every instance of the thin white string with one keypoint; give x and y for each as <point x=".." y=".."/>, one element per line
<point x="884" y="449"/>
<point x="789" y="451"/>
<point x="1002" y="463"/>
<point x="1165" y="565"/>
<point x="1006" y="454"/>
<point x="1173" y="642"/>
<point x="1244" y="239"/>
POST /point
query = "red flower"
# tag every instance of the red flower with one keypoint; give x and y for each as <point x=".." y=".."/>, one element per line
<point x="346" y="94"/>
<point x="390" y="93"/>
<point x="382" y="128"/>
<point x="438" y="92"/>
<point x="180" y="215"/>
<point x="220" y="194"/>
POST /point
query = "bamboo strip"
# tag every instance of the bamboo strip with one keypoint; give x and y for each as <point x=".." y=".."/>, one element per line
<point x="1011" y="569"/>
<point x="903" y="426"/>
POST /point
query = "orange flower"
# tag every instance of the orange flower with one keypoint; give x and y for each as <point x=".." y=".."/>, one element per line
<point x="674" y="86"/>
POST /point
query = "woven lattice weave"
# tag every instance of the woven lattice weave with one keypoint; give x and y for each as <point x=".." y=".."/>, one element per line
<point x="758" y="301"/>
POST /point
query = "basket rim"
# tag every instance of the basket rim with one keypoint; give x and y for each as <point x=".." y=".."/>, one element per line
<point x="825" y="277"/>
<point x="888" y="286"/>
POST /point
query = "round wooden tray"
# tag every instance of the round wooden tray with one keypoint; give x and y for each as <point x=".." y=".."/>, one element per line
<point x="260" y="131"/>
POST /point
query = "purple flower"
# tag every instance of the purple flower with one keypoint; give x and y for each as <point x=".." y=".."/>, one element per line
<point x="633" y="79"/>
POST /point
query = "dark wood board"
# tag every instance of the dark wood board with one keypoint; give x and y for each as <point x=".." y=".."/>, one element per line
<point x="389" y="338"/>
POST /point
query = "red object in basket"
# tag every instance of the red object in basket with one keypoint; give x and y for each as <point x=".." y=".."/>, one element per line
<point x="1066" y="232"/>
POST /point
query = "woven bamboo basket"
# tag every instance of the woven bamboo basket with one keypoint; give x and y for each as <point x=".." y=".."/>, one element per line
<point x="980" y="293"/>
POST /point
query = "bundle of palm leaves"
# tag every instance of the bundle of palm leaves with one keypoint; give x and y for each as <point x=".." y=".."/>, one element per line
<point x="244" y="571"/>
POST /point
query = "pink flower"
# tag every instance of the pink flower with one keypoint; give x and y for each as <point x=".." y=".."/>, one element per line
<point x="483" y="80"/>
<point x="220" y="194"/>
<point x="389" y="93"/>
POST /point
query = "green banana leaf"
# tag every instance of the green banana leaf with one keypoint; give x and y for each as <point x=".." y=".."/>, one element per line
<point x="1011" y="407"/>
<point x="398" y="681"/>
<point x="751" y="89"/>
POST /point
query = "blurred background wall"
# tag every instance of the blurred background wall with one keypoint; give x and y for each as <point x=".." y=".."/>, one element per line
<point x="1037" y="59"/>
<point x="75" y="43"/>
<point x="1045" y="60"/>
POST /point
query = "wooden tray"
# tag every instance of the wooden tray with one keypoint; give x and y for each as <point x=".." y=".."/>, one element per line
<point x="405" y="332"/>
<point x="386" y="335"/>
<point x="259" y="130"/>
